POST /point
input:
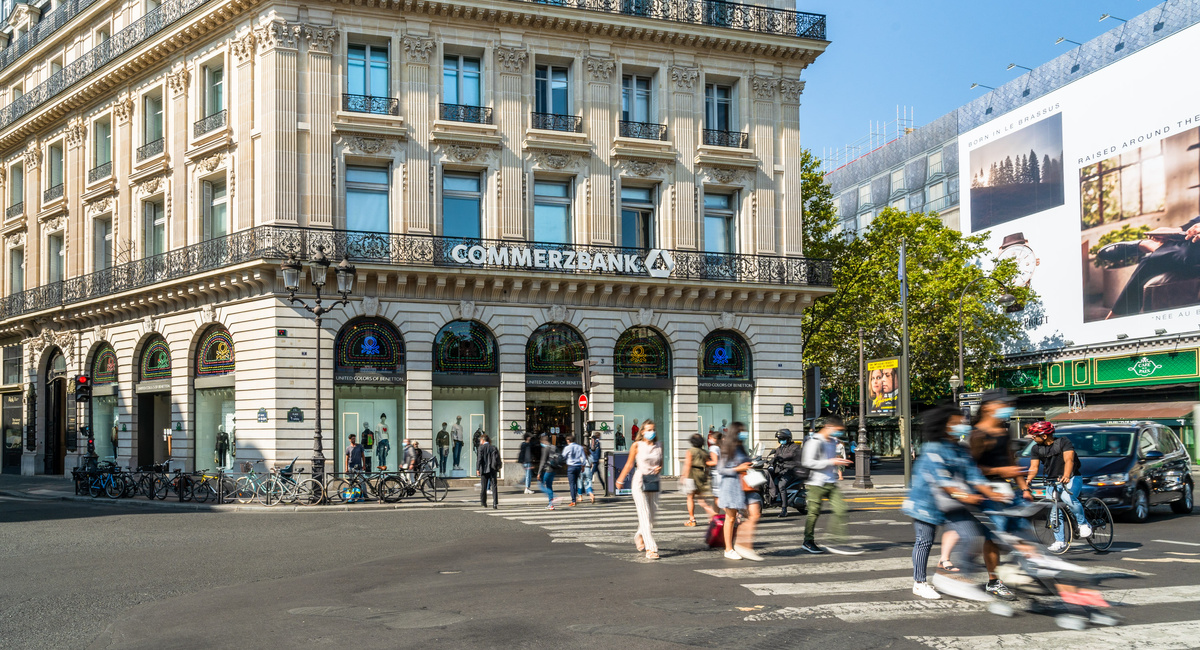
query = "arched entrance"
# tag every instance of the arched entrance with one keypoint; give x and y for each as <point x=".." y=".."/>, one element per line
<point x="725" y="382"/>
<point x="103" y="409"/>
<point x="216" y="401"/>
<point x="553" y="382"/>
<point x="368" y="377"/>
<point x="642" y="389"/>
<point x="466" y="394"/>
<point x="153" y="401"/>
<point x="58" y="420"/>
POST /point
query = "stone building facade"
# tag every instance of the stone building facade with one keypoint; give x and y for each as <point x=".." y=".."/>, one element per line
<point x="158" y="162"/>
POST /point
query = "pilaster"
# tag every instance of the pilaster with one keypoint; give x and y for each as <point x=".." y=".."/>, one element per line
<point x="122" y="154"/>
<point x="598" y="74"/>
<point x="33" y="202"/>
<point x="75" y="159"/>
<point x="180" y="124"/>
<point x="278" y="52"/>
<point x="762" y="205"/>
<point x="418" y="102"/>
<point x="319" y="188"/>
<point x="685" y="221"/>
<point x="510" y="68"/>
<point x="243" y="48"/>
<point x="789" y="141"/>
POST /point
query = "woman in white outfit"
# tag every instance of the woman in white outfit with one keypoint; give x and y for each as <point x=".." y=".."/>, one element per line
<point x="646" y="455"/>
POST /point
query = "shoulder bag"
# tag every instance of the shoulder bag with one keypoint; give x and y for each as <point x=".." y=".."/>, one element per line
<point x="651" y="483"/>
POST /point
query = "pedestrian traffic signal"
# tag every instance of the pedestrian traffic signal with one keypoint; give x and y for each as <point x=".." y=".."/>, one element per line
<point x="83" y="388"/>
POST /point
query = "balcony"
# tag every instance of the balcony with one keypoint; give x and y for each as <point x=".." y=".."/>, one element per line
<point x="369" y="104"/>
<point x="730" y="15"/>
<point x="52" y="193"/>
<point x="735" y="139"/>
<point x="465" y="113"/>
<point x="555" y="122"/>
<point x="210" y="123"/>
<point x="269" y="244"/>
<point x="939" y="204"/>
<point x="15" y="210"/>
<point x="50" y="23"/>
<point x="100" y="171"/>
<point x="151" y="149"/>
<point x="642" y="130"/>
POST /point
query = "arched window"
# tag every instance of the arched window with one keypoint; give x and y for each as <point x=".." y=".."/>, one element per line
<point x="724" y="355"/>
<point x="156" y="360"/>
<point x="553" y="349"/>
<point x="370" y="344"/>
<point x="58" y="364"/>
<point x="214" y="355"/>
<point x="642" y="352"/>
<point x="465" y="346"/>
<point x="104" y="365"/>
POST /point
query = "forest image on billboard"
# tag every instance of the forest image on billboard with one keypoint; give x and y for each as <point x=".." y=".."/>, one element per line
<point x="1017" y="175"/>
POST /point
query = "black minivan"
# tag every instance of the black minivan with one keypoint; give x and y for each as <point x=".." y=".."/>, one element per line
<point x="1130" y="466"/>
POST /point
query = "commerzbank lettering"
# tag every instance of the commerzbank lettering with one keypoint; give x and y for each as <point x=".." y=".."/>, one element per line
<point x="658" y="263"/>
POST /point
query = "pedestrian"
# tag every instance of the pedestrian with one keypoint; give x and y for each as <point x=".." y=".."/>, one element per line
<point x="820" y="457"/>
<point x="786" y="465"/>
<point x="699" y="471"/>
<point x="841" y="453"/>
<point x="596" y="469"/>
<point x="736" y="496"/>
<point x="487" y="467"/>
<point x="943" y="479"/>
<point x="524" y="456"/>
<point x="575" y="457"/>
<point x="989" y="446"/>
<point x="354" y="455"/>
<point x="549" y="458"/>
<point x="646" y="456"/>
<point x="406" y="462"/>
<point x="714" y="462"/>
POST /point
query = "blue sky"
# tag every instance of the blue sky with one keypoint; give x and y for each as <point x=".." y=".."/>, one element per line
<point x="925" y="54"/>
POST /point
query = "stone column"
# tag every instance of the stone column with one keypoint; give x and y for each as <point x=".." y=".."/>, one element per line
<point x="510" y="109"/>
<point x="418" y="103"/>
<point x="791" y="196"/>
<point x="123" y="154"/>
<point x="684" y="222"/>
<point x="763" y="118"/>
<point x="277" y="48"/>
<point x="598" y="104"/>
<point x="33" y="201"/>
<point x="178" y="136"/>
<point x="75" y="169"/>
<point x="243" y="120"/>
<point x="321" y="97"/>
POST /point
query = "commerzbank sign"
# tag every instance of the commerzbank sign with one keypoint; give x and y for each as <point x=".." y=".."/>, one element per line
<point x="657" y="263"/>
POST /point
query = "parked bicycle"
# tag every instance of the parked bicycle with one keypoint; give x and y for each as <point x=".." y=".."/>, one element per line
<point x="1057" y="517"/>
<point x="215" y="486"/>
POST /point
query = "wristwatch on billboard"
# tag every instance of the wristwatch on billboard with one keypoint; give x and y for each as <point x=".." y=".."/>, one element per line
<point x="1016" y="248"/>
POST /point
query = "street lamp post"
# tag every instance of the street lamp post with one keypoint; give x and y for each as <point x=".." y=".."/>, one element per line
<point x="862" y="457"/>
<point x="345" y="284"/>
<point x="1005" y="300"/>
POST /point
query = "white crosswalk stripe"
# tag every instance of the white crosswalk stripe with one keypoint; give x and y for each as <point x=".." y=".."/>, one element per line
<point x="1180" y="635"/>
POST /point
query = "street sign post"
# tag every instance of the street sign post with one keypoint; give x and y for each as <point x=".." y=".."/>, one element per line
<point x="583" y="402"/>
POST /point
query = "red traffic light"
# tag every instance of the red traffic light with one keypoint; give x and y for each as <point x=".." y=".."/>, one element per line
<point x="83" y="380"/>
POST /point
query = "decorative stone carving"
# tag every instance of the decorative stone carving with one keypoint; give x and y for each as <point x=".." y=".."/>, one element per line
<point x="123" y="107"/>
<point x="99" y="206"/>
<point x="210" y="163"/>
<point x="243" y="46"/>
<point x="99" y="333"/>
<point x="178" y="79"/>
<point x="16" y="240"/>
<point x="728" y="320"/>
<point x="320" y="39"/>
<point x="367" y="145"/>
<point x="555" y="159"/>
<point x="557" y="314"/>
<point x="33" y="156"/>
<point x="684" y="78"/>
<point x="466" y="309"/>
<point x="726" y="175"/>
<point x="149" y="324"/>
<point x="465" y="152"/>
<point x="276" y="33"/>
<point x="150" y="185"/>
<point x="76" y="131"/>
<point x="763" y="87"/>
<point x="599" y="69"/>
<point x="54" y="225"/>
<point x="643" y="167"/>
<point x="511" y="59"/>
<point x="644" y="317"/>
<point x="417" y="49"/>
<point x="789" y="90"/>
<point x="208" y="315"/>
<point x="370" y="306"/>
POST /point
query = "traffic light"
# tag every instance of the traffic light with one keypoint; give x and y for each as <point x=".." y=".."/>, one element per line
<point x="83" y="388"/>
<point x="87" y="433"/>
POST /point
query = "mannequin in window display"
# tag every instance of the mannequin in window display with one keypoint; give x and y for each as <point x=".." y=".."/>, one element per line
<point x="384" y="445"/>
<point x="113" y="436"/>
<point x="222" y="446"/>
<point x="475" y="439"/>
<point x="724" y="427"/>
<point x="619" y="440"/>
<point x="232" y="442"/>
<point x="442" y="440"/>
<point x="12" y="438"/>
<point x="456" y="436"/>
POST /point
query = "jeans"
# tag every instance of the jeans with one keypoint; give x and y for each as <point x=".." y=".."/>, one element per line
<point x="490" y="480"/>
<point x="573" y="473"/>
<point x="458" y="445"/>
<point x="815" y="494"/>
<point x="593" y="473"/>
<point x="442" y="451"/>
<point x="1069" y="492"/>
<point x="528" y="474"/>
<point x="548" y="485"/>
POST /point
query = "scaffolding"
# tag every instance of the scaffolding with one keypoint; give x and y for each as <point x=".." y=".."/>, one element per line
<point x="879" y="134"/>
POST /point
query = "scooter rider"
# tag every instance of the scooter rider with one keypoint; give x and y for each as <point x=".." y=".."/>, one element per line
<point x="784" y="467"/>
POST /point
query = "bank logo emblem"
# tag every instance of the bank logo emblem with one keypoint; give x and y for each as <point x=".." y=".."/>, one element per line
<point x="660" y="263"/>
<point x="1144" y="367"/>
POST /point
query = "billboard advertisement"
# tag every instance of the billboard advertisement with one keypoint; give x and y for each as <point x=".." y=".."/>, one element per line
<point x="883" y="386"/>
<point x="1094" y="191"/>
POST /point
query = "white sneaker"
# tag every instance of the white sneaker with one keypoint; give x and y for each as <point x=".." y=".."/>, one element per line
<point x="1057" y="547"/>
<point x="528" y="491"/>
<point x="959" y="588"/>
<point x="1085" y="531"/>
<point x="732" y="555"/>
<point x="925" y="590"/>
<point x="747" y="554"/>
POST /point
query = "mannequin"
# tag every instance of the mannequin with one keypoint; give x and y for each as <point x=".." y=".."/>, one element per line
<point x="367" y="436"/>
<point x="475" y="439"/>
<point x="222" y="446"/>
<point x="442" y="440"/>
<point x="724" y="427"/>
<point x="232" y="441"/>
<point x="384" y="445"/>
<point x="456" y="436"/>
<point x="113" y="437"/>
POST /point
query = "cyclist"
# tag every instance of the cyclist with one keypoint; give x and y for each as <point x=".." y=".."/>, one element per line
<point x="787" y="461"/>
<point x="1061" y="472"/>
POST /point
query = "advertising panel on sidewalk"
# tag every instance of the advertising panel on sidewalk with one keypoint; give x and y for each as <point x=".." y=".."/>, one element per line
<point x="883" y="386"/>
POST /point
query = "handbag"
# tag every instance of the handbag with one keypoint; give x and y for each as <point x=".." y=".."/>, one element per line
<point x="650" y="483"/>
<point x="752" y="480"/>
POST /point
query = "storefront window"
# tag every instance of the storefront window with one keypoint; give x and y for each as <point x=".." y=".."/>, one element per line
<point x="464" y="346"/>
<point x="717" y="409"/>
<point x="553" y="349"/>
<point x="724" y="355"/>
<point x="642" y="352"/>
<point x="369" y="390"/>
<point x="104" y="367"/>
<point x="10" y="420"/>
<point x="104" y="426"/>
<point x="632" y="407"/>
<point x="156" y="361"/>
<point x="216" y="431"/>
<point x="642" y="369"/>
<point x="461" y="414"/>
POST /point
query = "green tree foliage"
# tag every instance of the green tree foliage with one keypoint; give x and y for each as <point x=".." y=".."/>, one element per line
<point x="942" y="262"/>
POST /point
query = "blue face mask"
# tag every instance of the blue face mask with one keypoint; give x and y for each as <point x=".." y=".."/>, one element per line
<point x="743" y="436"/>
<point x="837" y="433"/>
<point x="961" y="429"/>
<point x="649" y="435"/>
<point x="1004" y="412"/>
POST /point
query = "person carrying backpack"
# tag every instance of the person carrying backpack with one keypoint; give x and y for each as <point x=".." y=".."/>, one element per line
<point x="821" y="459"/>
<point x="551" y="460"/>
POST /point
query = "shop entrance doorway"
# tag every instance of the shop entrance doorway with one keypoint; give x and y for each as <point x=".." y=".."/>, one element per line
<point x="552" y="414"/>
<point x="154" y="415"/>
<point x="56" y="426"/>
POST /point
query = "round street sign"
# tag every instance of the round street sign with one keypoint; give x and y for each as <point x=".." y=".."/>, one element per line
<point x="583" y="402"/>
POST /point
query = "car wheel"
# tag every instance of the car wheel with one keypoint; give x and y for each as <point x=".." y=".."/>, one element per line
<point x="1184" y="505"/>
<point x="1140" y="512"/>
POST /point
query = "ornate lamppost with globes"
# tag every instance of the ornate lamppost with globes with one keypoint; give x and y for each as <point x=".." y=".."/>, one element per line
<point x="319" y="265"/>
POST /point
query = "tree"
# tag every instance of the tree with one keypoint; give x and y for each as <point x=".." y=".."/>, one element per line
<point x="1047" y="169"/>
<point x="1035" y="172"/>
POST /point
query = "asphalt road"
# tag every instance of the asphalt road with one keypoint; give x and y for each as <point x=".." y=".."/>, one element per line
<point x="93" y="575"/>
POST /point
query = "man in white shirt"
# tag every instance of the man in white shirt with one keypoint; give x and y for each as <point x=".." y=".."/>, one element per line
<point x="821" y="458"/>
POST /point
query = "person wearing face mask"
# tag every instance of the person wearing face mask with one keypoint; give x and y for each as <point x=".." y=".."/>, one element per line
<point x="646" y="454"/>
<point x="989" y="446"/>
<point x="819" y="455"/>
<point x="735" y="498"/>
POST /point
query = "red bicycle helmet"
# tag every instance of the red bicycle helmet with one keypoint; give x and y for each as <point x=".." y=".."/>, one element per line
<point x="1040" y="429"/>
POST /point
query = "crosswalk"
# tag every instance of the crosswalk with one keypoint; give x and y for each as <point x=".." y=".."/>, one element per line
<point x="872" y="588"/>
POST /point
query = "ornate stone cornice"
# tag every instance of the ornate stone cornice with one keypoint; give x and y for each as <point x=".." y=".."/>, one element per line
<point x="726" y="175"/>
<point x="277" y="34"/>
<point x="178" y="79"/>
<point x="367" y="144"/>
<point x="243" y="46"/>
<point x="33" y="156"/>
<point x="463" y="152"/>
<point x="76" y="131"/>
<point x="790" y="90"/>
<point x="417" y="49"/>
<point x="684" y="78"/>
<point x="763" y="87"/>
<point x="123" y="108"/>
<point x="16" y="240"/>
<point x="54" y="224"/>
<point x="599" y="69"/>
<point x="320" y="39"/>
<point x="511" y="59"/>
<point x="643" y="167"/>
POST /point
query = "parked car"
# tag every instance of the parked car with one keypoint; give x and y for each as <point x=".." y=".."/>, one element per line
<point x="1130" y="466"/>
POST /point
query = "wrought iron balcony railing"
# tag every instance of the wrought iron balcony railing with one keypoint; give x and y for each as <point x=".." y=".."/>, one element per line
<point x="15" y="210"/>
<point x="555" y="122"/>
<point x="151" y="149"/>
<point x="643" y="130"/>
<point x="736" y="139"/>
<point x="274" y="243"/>
<point x="369" y="104"/>
<point x="210" y="123"/>
<point x="716" y="13"/>
<point x="52" y="193"/>
<point x="464" y="113"/>
<point x="50" y="23"/>
<point x="941" y="203"/>
<point x="100" y="171"/>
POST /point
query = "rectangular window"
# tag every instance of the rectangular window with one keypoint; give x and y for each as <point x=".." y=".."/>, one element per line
<point x="214" y="89"/>
<point x="864" y="196"/>
<point x="102" y="142"/>
<point x="462" y="81"/>
<point x="56" y="66"/>
<point x="216" y="209"/>
<point x="935" y="163"/>
<point x="12" y="364"/>
<point x="719" y="210"/>
<point x="462" y="205"/>
<point x="151" y="5"/>
<point x="16" y="270"/>
<point x="17" y="93"/>
<point x="152" y="117"/>
<point x="102" y="35"/>
<point x="16" y="184"/>
<point x="552" y="92"/>
<point x="154" y="234"/>
<point x="367" y="71"/>
<point x="898" y="181"/>
<point x="55" y="176"/>
<point x="367" y="199"/>
<point x="636" y="96"/>
<point x="637" y="217"/>
<point x="935" y="192"/>
<point x="102" y="233"/>
<point x="55" y="258"/>
<point x="718" y="107"/>
<point x="552" y="212"/>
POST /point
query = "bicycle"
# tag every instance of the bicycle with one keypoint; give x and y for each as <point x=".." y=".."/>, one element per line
<point x="284" y="487"/>
<point x="251" y="486"/>
<point x="1058" y="516"/>
<point x="106" y="480"/>
<point x="212" y="486"/>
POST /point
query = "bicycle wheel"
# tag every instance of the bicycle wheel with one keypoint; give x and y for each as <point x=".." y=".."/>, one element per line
<point x="202" y="490"/>
<point x="130" y="486"/>
<point x="1049" y="521"/>
<point x="309" y="492"/>
<point x="162" y="485"/>
<point x="392" y="489"/>
<point x="146" y="486"/>
<point x="115" y="487"/>
<point x="434" y="488"/>
<point x="337" y="490"/>
<point x="274" y="491"/>
<point x="1101" y="521"/>
<point x="228" y="489"/>
<point x="95" y="486"/>
<point x="244" y="490"/>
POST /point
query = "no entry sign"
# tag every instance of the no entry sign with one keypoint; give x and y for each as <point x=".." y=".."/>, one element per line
<point x="583" y="402"/>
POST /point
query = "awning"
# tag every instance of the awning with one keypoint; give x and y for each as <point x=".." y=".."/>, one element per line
<point x="1141" y="411"/>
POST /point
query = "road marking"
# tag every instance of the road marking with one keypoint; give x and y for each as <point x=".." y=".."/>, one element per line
<point x="878" y="611"/>
<point x="1171" y="541"/>
<point x="1180" y="560"/>
<point x="1154" y="595"/>
<point x="1179" y="635"/>
<point x="811" y="569"/>
<point x="829" y="588"/>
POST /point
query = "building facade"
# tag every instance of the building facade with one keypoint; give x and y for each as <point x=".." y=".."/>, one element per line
<point x="519" y="185"/>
